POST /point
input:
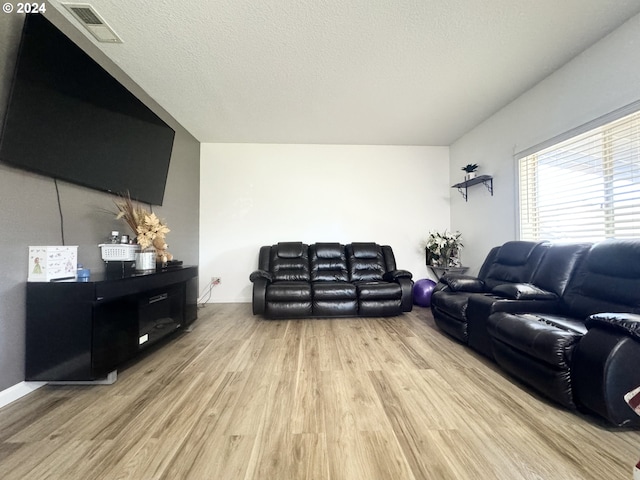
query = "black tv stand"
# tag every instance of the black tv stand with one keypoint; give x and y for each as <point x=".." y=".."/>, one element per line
<point x="81" y="331"/>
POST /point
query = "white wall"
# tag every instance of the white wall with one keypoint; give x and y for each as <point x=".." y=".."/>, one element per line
<point x="600" y="80"/>
<point x="254" y="195"/>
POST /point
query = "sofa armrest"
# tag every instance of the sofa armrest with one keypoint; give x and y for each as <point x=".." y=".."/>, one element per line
<point x="627" y="323"/>
<point x="259" y="300"/>
<point x="523" y="291"/>
<point x="394" y="275"/>
<point x="260" y="279"/>
<point x="605" y="366"/>
<point x="406" y="300"/>
<point x="260" y="274"/>
<point x="462" y="283"/>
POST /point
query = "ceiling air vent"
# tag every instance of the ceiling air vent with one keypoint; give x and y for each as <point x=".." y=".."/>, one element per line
<point x="92" y="21"/>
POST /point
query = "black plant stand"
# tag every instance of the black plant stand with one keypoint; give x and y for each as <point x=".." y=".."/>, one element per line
<point x="440" y="271"/>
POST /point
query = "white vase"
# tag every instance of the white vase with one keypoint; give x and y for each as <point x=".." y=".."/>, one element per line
<point x="469" y="176"/>
<point x="145" y="261"/>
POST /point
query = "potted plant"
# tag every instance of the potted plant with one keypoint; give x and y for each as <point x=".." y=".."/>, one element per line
<point x="471" y="171"/>
<point x="443" y="249"/>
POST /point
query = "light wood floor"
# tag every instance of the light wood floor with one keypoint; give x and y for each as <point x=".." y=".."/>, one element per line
<point x="244" y="398"/>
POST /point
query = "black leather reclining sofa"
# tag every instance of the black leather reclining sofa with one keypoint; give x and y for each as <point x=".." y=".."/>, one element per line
<point x="295" y="280"/>
<point x="562" y="318"/>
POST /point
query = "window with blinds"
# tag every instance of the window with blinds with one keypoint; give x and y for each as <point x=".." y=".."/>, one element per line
<point x="586" y="188"/>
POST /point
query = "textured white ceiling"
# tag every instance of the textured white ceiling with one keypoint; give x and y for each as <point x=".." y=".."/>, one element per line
<point x="379" y="72"/>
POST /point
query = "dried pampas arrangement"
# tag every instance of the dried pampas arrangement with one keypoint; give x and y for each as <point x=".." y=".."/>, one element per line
<point x="146" y="226"/>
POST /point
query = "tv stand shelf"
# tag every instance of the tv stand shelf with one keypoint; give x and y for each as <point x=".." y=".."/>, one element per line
<point x="82" y="331"/>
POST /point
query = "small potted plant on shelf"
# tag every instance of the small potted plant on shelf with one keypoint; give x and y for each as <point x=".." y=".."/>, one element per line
<point x="471" y="171"/>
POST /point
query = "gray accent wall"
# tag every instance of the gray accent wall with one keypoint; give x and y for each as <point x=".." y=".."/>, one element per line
<point x="29" y="212"/>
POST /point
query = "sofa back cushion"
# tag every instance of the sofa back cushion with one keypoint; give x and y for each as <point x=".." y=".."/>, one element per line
<point x="558" y="265"/>
<point x="515" y="262"/>
<point x="365" y="262"/>
<point x="488" y="261"/>
<point x="608" y="280"/>
<point x="328" y="263"/>
<point x="290" y="262"/>
<point x="389" y="258"/>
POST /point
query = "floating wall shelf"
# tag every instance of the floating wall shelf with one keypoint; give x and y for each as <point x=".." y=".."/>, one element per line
<point x="487" y="180"/>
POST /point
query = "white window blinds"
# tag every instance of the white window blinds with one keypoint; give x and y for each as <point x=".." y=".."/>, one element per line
<point x="586" y="188"/>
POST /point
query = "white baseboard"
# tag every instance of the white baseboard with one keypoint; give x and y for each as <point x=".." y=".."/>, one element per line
<point x="21" y="389"/>
<point x="17" y="391"/>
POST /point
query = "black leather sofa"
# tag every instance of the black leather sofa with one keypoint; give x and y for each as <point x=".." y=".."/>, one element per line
<point x="571" y="331"/>
<point x="295" y="280"/>
<point x="514" y="262"/>
<point x="542" y="293"/>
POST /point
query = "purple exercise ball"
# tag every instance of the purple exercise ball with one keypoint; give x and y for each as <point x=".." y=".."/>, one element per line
<point x="422" y="290"/>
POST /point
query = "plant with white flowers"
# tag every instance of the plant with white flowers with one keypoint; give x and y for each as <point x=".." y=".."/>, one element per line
<point x="443" y="249"/>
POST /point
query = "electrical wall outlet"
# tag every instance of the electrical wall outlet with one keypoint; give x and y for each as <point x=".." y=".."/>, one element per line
<point x="216" y="281"/>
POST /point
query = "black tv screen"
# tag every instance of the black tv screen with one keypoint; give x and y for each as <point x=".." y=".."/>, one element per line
<point x="68" y="118"/>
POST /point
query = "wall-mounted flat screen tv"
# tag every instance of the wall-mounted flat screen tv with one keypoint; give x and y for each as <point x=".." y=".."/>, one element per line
<point x="69" y="119"/>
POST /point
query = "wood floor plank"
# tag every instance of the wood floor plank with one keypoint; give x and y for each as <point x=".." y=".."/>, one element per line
<point x="240" y="397"/>
<point x="309" y="398"/>
<point x="250" y="404"/>
<point x="195" y="452"/>
<point x="328" y="353"/>
<point x="222" y="456"/>
<point x="16" y="423"/>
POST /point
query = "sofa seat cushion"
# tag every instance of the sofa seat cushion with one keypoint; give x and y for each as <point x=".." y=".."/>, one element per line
<point x="451" y="303"/>
<point x="289" y="292"/>
<point x="378" y="291"/>
<point x="334" y="299"/>
<point x="333" y="291"/>
<point x="547" y="338"/>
